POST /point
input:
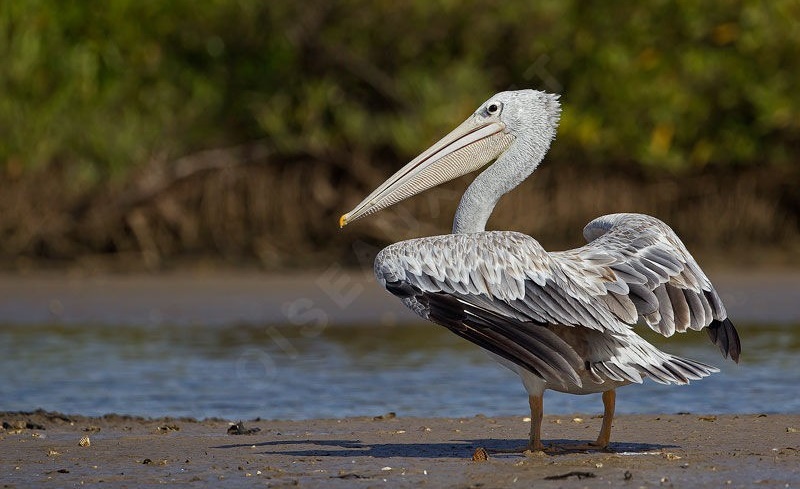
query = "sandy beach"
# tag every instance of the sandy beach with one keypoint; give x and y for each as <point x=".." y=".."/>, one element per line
<point x="42" y="449"/>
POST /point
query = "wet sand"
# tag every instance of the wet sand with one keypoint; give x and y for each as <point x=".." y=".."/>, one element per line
<point x="326" y="297"/>
<point x="686" y="450"/>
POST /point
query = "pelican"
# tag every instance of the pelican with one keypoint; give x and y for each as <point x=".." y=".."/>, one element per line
<point x="562" y="320"/>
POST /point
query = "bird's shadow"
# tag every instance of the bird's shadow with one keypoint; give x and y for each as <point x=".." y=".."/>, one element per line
<point x="455" y="449"/>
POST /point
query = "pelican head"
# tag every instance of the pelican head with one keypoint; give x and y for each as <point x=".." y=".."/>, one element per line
<point x="500" y="123"/>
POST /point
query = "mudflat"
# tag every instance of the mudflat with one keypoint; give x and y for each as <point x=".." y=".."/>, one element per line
<point x="335" y="296"/>
<point x="45" y="449"/>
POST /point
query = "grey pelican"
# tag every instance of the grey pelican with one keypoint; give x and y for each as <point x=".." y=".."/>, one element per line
<point x="561" y="320"/>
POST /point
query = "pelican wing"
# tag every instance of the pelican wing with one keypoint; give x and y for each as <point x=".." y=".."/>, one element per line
<point x="654" y="277"/>
<point x="507" y="273"/>
<point x="633" y="267"/>
<point x="529" y="345"/>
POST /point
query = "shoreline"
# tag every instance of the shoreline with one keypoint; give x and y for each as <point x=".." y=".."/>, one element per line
<point x="336" y="295"/>
<point x="684" y="450"/>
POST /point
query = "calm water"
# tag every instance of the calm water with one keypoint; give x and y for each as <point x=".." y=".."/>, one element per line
<point x="241" y="372"/>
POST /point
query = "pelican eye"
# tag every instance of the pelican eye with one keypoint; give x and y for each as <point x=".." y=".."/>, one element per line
<point x="493" y="109"/>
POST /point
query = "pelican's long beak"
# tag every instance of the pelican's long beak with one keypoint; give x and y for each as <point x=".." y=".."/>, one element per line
<point x="468" y="147"/>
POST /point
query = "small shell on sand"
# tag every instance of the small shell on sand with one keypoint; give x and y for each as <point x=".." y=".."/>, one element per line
<point x="480" y="455"/>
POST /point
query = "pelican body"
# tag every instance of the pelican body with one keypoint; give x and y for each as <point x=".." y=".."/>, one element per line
<point x="562" y="320"/>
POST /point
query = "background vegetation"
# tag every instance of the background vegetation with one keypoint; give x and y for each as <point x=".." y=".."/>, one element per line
<point x="149" y="132"/>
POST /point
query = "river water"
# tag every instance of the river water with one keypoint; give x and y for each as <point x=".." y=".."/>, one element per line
<point x="74" y="360"/>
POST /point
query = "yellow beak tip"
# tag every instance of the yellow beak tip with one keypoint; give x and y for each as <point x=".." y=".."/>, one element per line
<point x="343" y="221"/>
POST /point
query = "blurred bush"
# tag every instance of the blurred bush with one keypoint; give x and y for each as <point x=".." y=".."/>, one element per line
<point x="103" y="95"/>
<point x="670" y="84"/>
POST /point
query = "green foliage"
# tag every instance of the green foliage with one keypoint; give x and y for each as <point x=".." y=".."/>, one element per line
<point x="662" y="84"/>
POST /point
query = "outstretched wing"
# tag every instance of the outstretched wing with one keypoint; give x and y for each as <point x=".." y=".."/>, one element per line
<point x="633" y="267"/>
<point x="663" y="284"/>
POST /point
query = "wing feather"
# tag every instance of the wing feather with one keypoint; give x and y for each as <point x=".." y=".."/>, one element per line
<point x="666" y="324"/>
<point x="679" y="307"/>
<point x="526" y="344"/>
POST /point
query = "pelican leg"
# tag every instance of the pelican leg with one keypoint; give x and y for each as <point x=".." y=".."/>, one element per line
<point x="609" y="399"/>
<point x="537" y="413"/>
<point x="535" y="441"/>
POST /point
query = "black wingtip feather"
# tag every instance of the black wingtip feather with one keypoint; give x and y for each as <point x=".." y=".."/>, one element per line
<point x="724" y="335"/>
